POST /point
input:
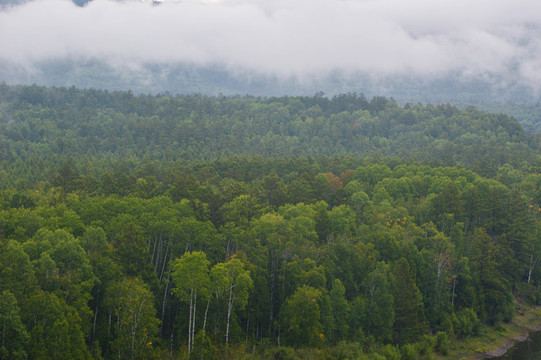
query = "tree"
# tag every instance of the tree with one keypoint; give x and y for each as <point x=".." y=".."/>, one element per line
<point x="342" y="221"/>
<point x="272" y="189"/>
<point x="15" y="338"/>
<point x="63" y="268"/>
<point x="106" y="270"/>
<point x="519" y="239"/>
<point x="67" y="177"/>
<point x="131" y="305"/>
<point x="340" y="311"/>
<point x="132" y="248"/>
<point x="55" y="329"/>
<point x="241" y="210"/>
<point x="410" y="321"/>
<point x="16" y="273"/>
<point x="535" y="250"/>
<point x="239" y="283"/>
<point x="303" y="272"/>
<point x="301" y="190"/>
<point x="191" y="277"/>
<point x="379" y="305"/>
<point x="359" y="201"/>
<point x="323" y="223"/>
<point x="495" y="300"/>
<point x="301" y="317"/>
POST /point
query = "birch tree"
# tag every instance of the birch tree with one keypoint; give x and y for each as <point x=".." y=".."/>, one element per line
<point x="131" y="305"/>
<point x="239" y="283"/>
<point x="191" y="278"/>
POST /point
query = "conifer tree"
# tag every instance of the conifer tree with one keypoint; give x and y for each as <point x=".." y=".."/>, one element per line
<point x="410" y="321"/>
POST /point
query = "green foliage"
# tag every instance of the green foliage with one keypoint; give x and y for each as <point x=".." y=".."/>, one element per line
<point x="442" y="343"/>
<point x="378" y="304"/>
<point x="191" y="278"/>
<point x="391" y="352"/>
<point x="190" y="274"/>
<point x="16" y="273"/>
<point x="284" y="353"/>
<point x="131" y="305"/>
<point x="465" y="323"/>
<point x="203" y="348"/>
<point x="408" y="352"/>
<point x="55" y="328"/>
<point x="301" y="317"/>
<point x="340" y="310"/>
<point x="409" y="322"/>
<point x="131" y="227"/>
<point x="15" y="338"/>
<point x="60" y="127"/>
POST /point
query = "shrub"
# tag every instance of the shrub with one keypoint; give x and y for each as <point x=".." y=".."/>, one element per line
<point x="442" y="343"/>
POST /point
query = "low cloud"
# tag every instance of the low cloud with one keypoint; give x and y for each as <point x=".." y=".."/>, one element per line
<point x="285" y="37"/>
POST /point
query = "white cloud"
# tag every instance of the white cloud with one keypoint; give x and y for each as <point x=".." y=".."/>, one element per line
<point x="422" y="37"/>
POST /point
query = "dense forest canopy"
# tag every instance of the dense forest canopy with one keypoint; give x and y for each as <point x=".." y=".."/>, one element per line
<point x="141" y="227"/>
<point x="98" y="127"/>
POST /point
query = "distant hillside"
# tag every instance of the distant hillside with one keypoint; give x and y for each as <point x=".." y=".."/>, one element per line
<point x="52" y="124"/>
<point x="485" y="93"/>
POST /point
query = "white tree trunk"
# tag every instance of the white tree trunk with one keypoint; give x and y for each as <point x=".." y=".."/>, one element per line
<point x="190" y="324"/>
<point x="194" y="312"/>
<point x="229" y="308"/>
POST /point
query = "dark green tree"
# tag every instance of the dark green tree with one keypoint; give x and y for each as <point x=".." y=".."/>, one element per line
<point x="378" y="304"/>
<point x="410" y="323"/>
<point x="15" y="338"/>
<point x="301" y="318"/>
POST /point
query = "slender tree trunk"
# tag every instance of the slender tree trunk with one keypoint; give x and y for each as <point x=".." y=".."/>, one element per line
<point x="94" y="328"/>
<point x="168" y="283"/>
<point x="271" y="294"/>
<point x="228" y="248"/>
<point x="533" y="260"/>
<point x="164" y="259"/>
<point x="194" y="312"/>
<point x="148" y="245"/>
<point x="205" y="320"/>
<point x="171" y="345"/>
<point x="190" y="324"/>
<point x="164" y="302"/>
<point x="206" y="312"/>
<point x="229" y="308"/>
<point x="453" y="293"/>
<point x="4" y="333"/>
<point x="247" y="329"/>
<point x="157" y="255"/>
<point x="119" y="328"/>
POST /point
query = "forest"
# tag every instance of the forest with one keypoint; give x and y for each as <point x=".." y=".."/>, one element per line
<point x="213" y="227"/>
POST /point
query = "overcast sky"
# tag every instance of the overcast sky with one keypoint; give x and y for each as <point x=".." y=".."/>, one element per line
<point x="286" y="37"/>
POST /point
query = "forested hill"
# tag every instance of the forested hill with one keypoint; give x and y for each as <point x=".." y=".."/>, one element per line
<point x="194" y="227"/>
<point x="54" y="124"/>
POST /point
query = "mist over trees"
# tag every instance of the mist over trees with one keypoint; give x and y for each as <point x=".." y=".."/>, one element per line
<point x="159" y="226"/>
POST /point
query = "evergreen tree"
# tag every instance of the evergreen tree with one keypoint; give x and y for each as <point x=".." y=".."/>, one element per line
<point x="410" y="323"/>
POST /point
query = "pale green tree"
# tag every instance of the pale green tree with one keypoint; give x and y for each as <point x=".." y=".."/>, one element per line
<point x="191" y="277"/>
<point x="131" y="305"/>
<point x="238" y="283"/>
